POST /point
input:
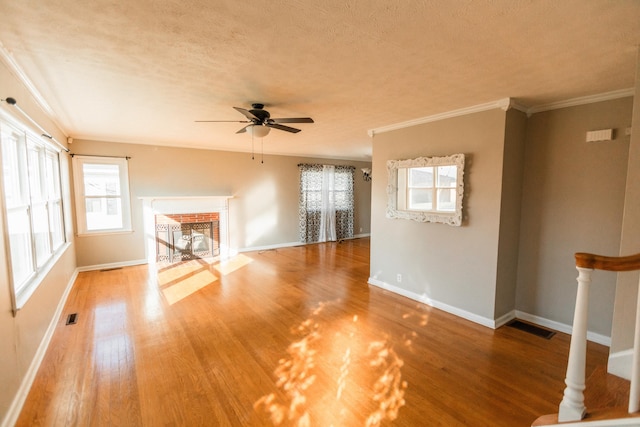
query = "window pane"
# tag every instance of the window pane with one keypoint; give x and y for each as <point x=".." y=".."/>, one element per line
<point x="36" y="171"/>
<point x="55" y="219"/>
<point x="103" y="213"/>
<point x="40" y="220"/>
<point x="14" y="160"/>
<point x="421" y="199"/>
<point x="421" y="177"/>
<point x="447" y="176"/>
<point x="20" y="243"/>
<point x="53" y="176"/>
<point x="101" y="179"/>
<point x="447" y="200"/>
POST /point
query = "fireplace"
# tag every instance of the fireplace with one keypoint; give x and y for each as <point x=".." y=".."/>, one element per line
<point x="182" y="228"/>
<point x="182" y="237"/>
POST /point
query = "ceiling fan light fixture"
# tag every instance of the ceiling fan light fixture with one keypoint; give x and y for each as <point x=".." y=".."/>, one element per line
<point x="258" y="131"/>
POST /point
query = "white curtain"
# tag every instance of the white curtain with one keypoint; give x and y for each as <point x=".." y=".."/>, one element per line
<point x="328" y="212"/>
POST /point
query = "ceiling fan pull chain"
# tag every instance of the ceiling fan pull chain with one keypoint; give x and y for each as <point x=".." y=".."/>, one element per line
<point x="262" y="150"/>
<point x="252" y="150"/>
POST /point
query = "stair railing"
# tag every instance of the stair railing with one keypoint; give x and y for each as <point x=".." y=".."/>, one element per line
<point x="572" y="406"/>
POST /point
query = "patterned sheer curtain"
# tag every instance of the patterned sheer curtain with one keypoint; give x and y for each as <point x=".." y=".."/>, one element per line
<point x="326" y="202"/>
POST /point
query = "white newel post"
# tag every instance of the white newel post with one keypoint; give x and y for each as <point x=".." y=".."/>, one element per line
<point x="634" y="391"/>
<point x="572" y="406"/>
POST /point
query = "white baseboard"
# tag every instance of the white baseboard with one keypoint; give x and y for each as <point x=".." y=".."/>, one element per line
<point x="504" y="319"/>
<point x="561" y="327"/>
<point x="21" y="396"/>
<point x="267" y="247"/>
<point x="484" y="321"/>
<point x="112" y="265"/>
<point x="620" y="364"/>
<point x="287" y="245"/>
<point x="433" y="303"/>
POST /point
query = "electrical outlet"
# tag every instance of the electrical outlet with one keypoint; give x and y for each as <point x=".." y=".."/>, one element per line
<point x="361" y="229"/>
<point x="399" y="278"/>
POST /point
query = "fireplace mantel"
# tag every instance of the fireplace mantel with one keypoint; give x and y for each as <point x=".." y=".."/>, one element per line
<point x="155" y="205"/>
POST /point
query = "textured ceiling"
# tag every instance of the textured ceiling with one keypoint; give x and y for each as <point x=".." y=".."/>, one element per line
<point x="144" y="70"/>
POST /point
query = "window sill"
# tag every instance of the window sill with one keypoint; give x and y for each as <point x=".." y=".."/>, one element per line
<point x="103" y="233"/>
<point x="35" y="282"/>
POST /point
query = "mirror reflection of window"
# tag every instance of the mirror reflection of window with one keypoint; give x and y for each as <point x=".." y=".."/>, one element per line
<point x="426" y="189"/>
<point x="423" y="192"/>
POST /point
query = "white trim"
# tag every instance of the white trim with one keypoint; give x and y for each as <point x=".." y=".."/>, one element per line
<point x="504" y="104"/>
<point x="433" y="303"/>
<point x="25" y="386"/>
<point x="112" y="265"/>
<point x="7" y="58"/>
<point x="561" y="327"/>
<point x="289" y="245"/>
<point x="620" y="364"/>
<point x="620" y="422"/>
<point x="269" y="247"/>
<point x="583" y="100"/>
<point x="504" y="319"/>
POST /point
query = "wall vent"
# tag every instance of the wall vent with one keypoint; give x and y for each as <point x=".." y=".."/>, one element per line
<point x="600" y="135"/>
<point x="72" y="319"/>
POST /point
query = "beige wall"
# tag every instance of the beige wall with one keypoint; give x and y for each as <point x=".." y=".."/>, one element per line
<point x="573" y="200"/>
<point x="627" y="284"/>
<point x="455" y="266"/>
<point x="262" y="213"/>
<point x="22" y="334"/>
<point x="508" y="240"/>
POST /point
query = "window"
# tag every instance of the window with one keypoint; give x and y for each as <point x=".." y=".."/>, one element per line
<point x="426" y="189"/>
<point x="102" y="194"/>
<point x="424" y="193"/>
<point x="326" y="202"/>
<point x="33" y="204"/>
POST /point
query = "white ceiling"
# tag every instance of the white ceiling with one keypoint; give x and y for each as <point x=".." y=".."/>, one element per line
<point x="144" y="70"/>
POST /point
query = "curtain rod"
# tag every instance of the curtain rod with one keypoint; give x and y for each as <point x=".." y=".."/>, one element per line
<point x="14" y="103"/>
<point x="98" y="155"/>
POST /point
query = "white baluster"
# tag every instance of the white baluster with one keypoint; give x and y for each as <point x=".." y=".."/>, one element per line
<point x="634" y="392"/>
<point x="572" y="406"/>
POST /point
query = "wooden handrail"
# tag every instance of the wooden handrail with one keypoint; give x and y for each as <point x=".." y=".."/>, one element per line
<point x="608" y="263"/>
<point x="572" y="406"/>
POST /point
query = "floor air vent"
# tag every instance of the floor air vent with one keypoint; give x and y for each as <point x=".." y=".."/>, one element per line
<point x="72" y="319"/>
<point x="532" y="329"/>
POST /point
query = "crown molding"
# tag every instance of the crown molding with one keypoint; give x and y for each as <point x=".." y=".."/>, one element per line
<point x="504" y="104"/>
<point x="7" y="58"/>
<point x="622" y="93"/>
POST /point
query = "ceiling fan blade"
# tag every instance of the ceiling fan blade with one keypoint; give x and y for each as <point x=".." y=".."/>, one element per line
<point x="292" y="120"/>
<point x="222" y="121"/>
<point x="248" y="114"/>
<point x="282" y="127"/>
<point x="244" y="129"/>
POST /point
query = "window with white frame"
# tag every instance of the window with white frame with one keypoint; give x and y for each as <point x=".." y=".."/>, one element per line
<point x="426" y="189"/>
<point x="102" y="194"/>
<point x="34" y="221"/>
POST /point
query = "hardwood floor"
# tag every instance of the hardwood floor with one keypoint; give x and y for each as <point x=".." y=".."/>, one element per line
<point x="292" y="336"/>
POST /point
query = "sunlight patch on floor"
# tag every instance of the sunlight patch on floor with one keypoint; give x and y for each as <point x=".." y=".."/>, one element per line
<point x="188" y="286"/>
<point x="327" y="367"/>
<point x="177" y="272"/>
<point x="232" y="264"/>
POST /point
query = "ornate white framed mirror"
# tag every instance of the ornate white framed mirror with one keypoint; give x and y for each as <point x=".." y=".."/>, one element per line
<point x="426" y="189"/>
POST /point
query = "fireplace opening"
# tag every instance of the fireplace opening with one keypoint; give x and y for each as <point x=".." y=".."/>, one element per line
<point x="183" y="237"/>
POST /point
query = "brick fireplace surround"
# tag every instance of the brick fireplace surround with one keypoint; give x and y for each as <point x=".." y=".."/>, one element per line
<point x="172" y="213"/>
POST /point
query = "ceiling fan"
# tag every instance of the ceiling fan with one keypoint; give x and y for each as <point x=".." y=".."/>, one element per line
<point x="260" y="121"/>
